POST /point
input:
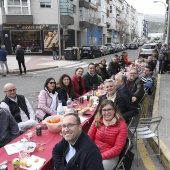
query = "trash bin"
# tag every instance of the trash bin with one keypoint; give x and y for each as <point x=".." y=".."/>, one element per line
<point x="68" y="54"/>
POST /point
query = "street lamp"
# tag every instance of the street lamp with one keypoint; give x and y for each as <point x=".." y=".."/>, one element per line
<point x="165" y="16"/>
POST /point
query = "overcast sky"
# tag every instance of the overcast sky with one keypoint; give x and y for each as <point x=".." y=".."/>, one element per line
<point x="148" y="6"/>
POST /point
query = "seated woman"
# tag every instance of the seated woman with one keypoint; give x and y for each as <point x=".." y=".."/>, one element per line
<point x="47" y="100"/>
<point x="78" y="82"/>
<point x="109" y="132"/>
<point x="104" y="70"/>
<point x="65" y="89"/>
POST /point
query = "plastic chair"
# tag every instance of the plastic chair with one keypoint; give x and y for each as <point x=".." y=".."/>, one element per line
<point x="145" y="129"/>
<point x="123" y="154"/>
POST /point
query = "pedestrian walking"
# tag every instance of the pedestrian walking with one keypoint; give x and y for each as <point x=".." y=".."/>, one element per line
<point x="54" y="49"/>
<point x="3" y="60"/>
<point x="20" y="58"/>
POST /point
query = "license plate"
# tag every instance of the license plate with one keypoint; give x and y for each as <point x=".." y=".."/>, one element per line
<point x="85" y="51"/>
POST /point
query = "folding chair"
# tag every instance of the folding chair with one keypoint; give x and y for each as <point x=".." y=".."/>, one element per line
<point x="123" y="154"/>
<point x="145" y="129"/>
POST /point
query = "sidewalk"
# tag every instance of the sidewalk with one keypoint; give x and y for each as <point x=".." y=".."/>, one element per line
<point x="162" y="108"/>
<point x="34" y="63"/>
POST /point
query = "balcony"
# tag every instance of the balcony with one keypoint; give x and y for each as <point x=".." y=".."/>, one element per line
<point x="17" y="19"/>
<point x="84" y="24"/>
<point x="118" y="8"/>
<point x="68" y="19"/>
<point x="83" y="3"/>
<point x="109" y="34"/>
<point x="121" y="1"/>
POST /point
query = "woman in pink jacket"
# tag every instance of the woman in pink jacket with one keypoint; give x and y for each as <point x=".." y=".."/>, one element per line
<point x="109" y="132"/>
<point x="47" y="100"/>
<point x="78" y="82"/>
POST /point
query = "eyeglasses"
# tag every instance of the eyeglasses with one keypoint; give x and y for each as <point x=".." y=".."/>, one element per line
<point x="70" y="125"/>
<point x="12" y="90"/>
<point x="133" y="73"/>
<point x="52" y="82"/>
<point x="107" y="110"/>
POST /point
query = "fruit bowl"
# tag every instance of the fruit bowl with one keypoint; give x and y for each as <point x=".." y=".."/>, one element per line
<point x="53" y="123"/>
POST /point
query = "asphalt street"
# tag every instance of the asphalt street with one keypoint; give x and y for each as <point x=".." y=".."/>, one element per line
<point x="31" y="84"/>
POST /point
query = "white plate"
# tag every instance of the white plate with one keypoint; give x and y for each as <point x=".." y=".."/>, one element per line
<point x="29" y="147"/>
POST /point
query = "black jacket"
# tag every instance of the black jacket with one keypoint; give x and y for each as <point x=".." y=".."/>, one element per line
<point x="125" y="106"/>
<point x="137" y="89"/>
<point x="114" y="68"/>
<point x="20" y="54"/>
<point x="87" y="156"/>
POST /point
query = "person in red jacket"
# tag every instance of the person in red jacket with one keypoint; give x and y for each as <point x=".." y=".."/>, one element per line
<point x="78" y="82"/>
<point x="109" y="132"/>
<point x="125" y="58"/>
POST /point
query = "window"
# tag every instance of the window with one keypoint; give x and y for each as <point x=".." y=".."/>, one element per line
<point x="74" y="9"/>
<point x="45" y="3"/>
<point x="110" y="9"/>
<point x="102" y="18"/>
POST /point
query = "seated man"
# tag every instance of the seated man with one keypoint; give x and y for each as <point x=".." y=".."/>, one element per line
<point x="114" y="67"/>
<point x="76" y="150"/>
<point x="142" y="67"/>
<point x="8" y="127"/>
<point x="121" y="84"/>
<point x="136" y="87"/>
<point x="91" y="79"/>
<point x="147" y="78"/>
<point x="19" y="107"/>
<point x="124" y="103"/>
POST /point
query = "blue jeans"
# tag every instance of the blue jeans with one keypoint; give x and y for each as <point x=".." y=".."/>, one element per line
<point x="54" y="55"/>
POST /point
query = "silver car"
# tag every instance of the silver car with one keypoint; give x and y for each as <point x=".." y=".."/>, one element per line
<point x="104" y="50"/>
<point x="149" y="49"/>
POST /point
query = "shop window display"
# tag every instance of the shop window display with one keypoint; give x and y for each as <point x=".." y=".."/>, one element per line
<point x="30" y="41"/>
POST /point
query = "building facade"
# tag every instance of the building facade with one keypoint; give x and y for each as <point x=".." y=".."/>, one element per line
<point x="37" y="24"/>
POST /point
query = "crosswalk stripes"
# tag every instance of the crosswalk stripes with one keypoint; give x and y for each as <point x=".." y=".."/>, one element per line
<point x="77" y="65"/>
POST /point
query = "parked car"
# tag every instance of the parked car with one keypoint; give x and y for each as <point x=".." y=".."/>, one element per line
<point x="111" y="47"/>
<point x="91" y="51"/>
<point x="104" y="50"/>
<point x="127" y="45"/>
<point x="117" y="48"/>
<point x="149" y="49"/>
<point x="133" y="46"/>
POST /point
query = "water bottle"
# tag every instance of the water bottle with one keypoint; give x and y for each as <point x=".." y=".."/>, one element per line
<point x="60" y="109"/>
<point x="69" y="106"/>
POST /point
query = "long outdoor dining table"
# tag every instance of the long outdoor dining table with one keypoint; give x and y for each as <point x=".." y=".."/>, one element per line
<point x="47" y="137"/>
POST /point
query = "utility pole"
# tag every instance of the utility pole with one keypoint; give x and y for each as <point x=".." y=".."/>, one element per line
<point x="168" y="29"/>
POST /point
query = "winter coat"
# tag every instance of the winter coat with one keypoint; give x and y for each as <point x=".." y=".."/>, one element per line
<point x="44" y="103"/>
<point x="76" y="85"/>
<point x="109" y="139"/>
<point x="114" y="68"/>
<point x="87" y="156"/>
<point x="20" y="54"/>
<point x="3" y="54"/>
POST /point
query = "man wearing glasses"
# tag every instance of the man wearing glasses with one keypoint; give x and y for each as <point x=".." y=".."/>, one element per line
<point x="76" y="151"/>
<point x="124" y="103"/>
<point x="19" y="107"/>
<point x="136" y="87"/>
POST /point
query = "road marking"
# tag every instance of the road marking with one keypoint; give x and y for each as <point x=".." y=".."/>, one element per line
<point x="78" y="64"/>
<point x="145" y="156"/>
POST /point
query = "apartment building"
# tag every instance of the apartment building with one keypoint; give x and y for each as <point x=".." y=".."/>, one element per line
<point x="34" y="24"/>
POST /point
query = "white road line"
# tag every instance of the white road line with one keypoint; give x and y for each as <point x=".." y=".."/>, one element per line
<point x="78" y="65"/>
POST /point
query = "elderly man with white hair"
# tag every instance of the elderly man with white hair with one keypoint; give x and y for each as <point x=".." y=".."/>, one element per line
<point x="124" y="103"/>
<point x="3" y="60"/>
<point x="19" y="107"/>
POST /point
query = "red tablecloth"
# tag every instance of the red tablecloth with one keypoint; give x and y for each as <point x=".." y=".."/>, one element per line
<point x="47" y="137"/>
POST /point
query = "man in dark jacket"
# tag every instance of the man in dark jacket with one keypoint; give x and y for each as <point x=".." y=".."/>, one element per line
<point x="124" y="103"/>
<point x="90" y="78"/>
<point x="136" y="87"/>
<point x="76" y="151"/>
<point x="20" y="59"/>
<point x="114" y="67"/>
<point x="3" y="60"/>
<point x="8" y="127"/>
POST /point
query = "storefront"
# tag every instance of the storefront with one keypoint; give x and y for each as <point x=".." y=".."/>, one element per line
<point x="34" y="39"/>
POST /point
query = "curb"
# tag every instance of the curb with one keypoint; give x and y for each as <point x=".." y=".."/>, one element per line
<point x="32" y="70"/>
<point x="165" y="153"/>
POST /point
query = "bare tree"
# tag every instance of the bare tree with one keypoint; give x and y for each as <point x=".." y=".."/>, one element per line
<point x="93" y="20"/>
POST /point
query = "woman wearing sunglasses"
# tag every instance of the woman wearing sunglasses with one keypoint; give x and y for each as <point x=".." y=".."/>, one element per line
<point x="65" y="89"/>
<point x="47" y="100"/>
<point x="109" y="132"/>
